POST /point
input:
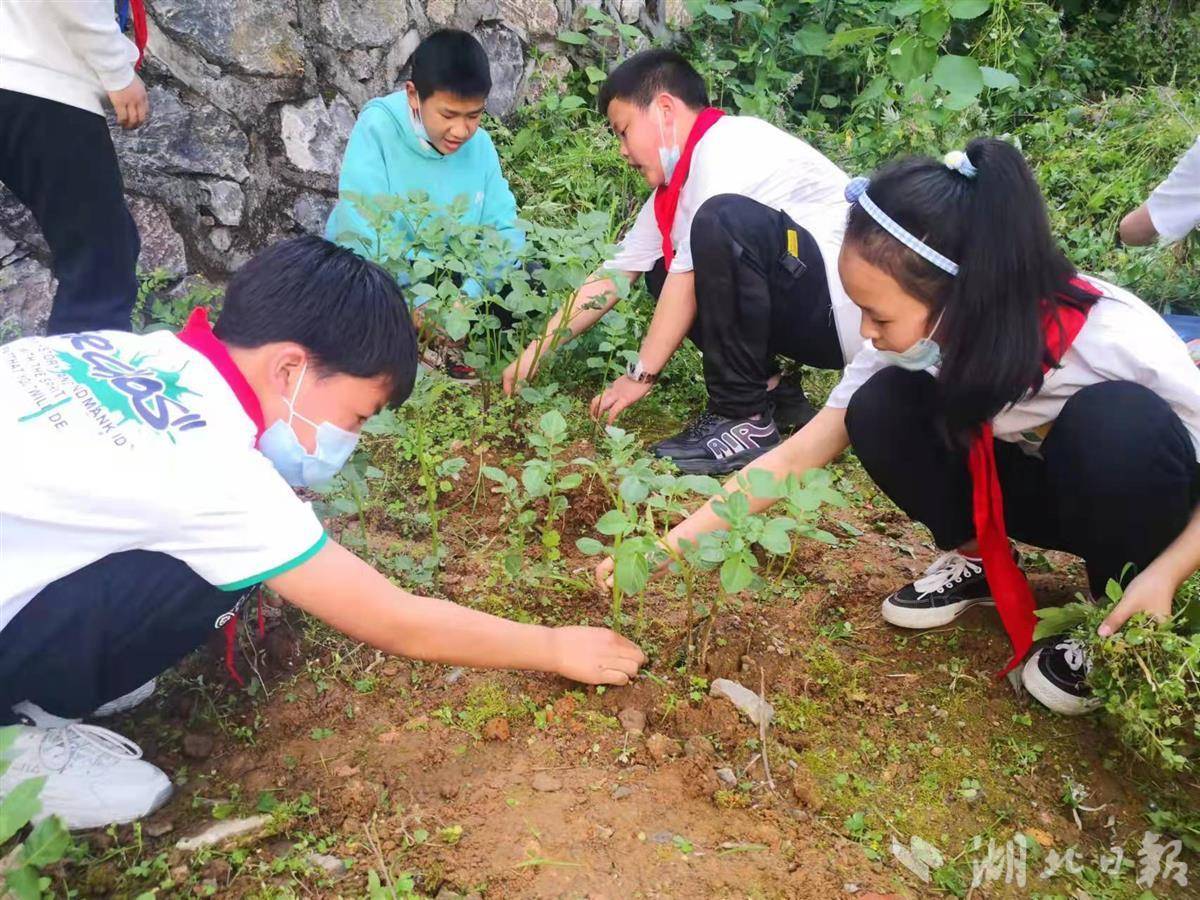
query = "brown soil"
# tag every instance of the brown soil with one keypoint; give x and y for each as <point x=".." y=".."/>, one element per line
<point x="561" y="802"/>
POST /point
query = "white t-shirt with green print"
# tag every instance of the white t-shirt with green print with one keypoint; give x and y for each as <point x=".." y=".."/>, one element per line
<point x="112" y="442"/>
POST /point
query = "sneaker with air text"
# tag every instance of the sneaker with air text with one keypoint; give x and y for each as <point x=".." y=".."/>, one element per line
<point x="716" y="445"/>
<point x="1056" y="676"/>
<point x="94" y="777"/>
<point x="949" y="587"/>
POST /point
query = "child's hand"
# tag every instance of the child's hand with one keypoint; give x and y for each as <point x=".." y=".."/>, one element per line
<point x="131" y="104"/>
<point x="520" y="369"/>
<point x="621" y="394"/>
<point x="1150" y="593"/>
<point x="595" y="655"/>
<point x="604" y="573"/>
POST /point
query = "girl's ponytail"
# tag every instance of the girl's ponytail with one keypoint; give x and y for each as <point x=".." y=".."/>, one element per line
<point x="1009" y="268"/>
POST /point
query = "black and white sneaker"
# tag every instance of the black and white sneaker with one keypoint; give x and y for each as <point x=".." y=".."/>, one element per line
<point x="1056" y="677"/>
<point x="949" y="587"/>
<point x="716" y="445"/>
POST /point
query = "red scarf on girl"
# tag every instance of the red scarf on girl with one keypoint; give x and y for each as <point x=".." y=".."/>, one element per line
<point x="1010" y="589"/>
<point x="666" y="198"/>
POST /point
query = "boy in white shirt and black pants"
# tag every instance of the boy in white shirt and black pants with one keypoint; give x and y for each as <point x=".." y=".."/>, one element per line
<point x="58" y="62"/>
<point x="739" y="245"/>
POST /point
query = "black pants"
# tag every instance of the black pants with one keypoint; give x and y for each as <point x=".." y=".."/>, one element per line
<point x="755" y="299"/>
<point x="1117" y="481"/>
<point x="106" y="629"/>
<point x="60" y="162"/>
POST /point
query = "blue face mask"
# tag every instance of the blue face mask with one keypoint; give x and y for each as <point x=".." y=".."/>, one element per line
<point x="924" y="354"/>
<point x="300" y="468"/>
<point x="668" y="157"/>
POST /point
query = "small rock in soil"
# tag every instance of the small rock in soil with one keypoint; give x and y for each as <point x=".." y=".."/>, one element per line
<point x="224" y="831"/>
<point x="455" y="675"/>
<point x="448" y="791"/>
<point x="217" y="870"/>
<point x="179" y="874"/>
<point x="632" y="720"/>
<point x="749" y="703"/>
<point x="158" y="827"/>
<point x="937" y="751"/>
<point x="545" y="782"/>
<point x="197" y="746"/>
<point x="698" y="747"/>
<point x="496" y="729"/>
<point x="391" y="670"/>
<point x="661" y="747"/>
<point x="388" y="737"/>
<point x="727" y="777"/>
<point x="281" y="847"/>
<point x="621" y="791"/>
<point x="605" y="832"/>
<point x="330" y="865"/>
<point x="344" y="771"/>
<point x="662" y="837"/>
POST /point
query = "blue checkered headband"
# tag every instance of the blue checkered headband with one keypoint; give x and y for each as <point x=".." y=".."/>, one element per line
<point x="856" y="192"/>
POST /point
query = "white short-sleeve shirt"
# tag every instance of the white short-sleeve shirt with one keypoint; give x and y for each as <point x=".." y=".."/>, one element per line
<point x="1174" y="205"/>
<point x="749" y="157"/>
<point x="1123" y="339"/>
<point x="116" y="441"/>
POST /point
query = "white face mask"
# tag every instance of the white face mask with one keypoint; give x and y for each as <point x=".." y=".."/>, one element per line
<point x="924" y="354"/>
<point x="418" y="125"/>
<point x="668" y="157"/>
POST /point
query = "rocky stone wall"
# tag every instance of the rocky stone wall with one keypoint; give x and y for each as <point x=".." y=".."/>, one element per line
<point x="251" y="105"/>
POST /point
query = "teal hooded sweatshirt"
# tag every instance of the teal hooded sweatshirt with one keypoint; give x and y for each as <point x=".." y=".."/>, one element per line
<point x="386" y="157"/>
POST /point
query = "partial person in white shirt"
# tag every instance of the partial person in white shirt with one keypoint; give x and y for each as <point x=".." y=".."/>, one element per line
<point x="997" y="376"/>
<point x="59" y="62"/>
<point x="1172" y="211"/>
<point x="738" y="242"/>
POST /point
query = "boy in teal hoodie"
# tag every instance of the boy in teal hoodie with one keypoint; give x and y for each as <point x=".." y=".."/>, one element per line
<point x="427" y="138"/>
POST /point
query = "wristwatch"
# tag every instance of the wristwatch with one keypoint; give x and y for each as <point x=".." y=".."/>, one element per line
<point x="637" y="372"/>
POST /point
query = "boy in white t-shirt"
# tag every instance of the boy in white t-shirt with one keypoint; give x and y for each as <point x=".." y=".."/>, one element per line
<point x="1172" y="211"/>
<point x="738" y="243"/>
<point x="151" y="495"/>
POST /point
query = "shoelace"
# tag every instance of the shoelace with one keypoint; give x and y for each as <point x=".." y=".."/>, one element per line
<point x="98" y="741"/>
<point x="948" y="568"/>
<point x="1073" y="654"/>
<point x="706" y="419"/>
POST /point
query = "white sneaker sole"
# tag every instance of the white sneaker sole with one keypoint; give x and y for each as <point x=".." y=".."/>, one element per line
<point x="1051" y="695"/>
<point x="933" y="617"/>
<point x="85" y="818"/>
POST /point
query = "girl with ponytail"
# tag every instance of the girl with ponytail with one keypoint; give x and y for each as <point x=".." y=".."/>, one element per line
<point x="1000" y="393"/>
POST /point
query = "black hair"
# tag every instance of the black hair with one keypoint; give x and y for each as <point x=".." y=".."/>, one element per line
<point x="995" y="226"/>
<point x="348" y="312"/>
<point x="645" y="75"/>
<point x="453" y="61"/>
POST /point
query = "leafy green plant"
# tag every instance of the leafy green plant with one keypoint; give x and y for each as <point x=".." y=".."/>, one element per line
<point x="45" y="845"/>
<point x="1147" y="675"/>
<point x="543" y="477"/>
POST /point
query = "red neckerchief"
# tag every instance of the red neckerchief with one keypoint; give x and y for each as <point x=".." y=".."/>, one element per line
<point x="666" y="198"/>
<point x="198" y="335"/>
<point x="1009" y="587"/>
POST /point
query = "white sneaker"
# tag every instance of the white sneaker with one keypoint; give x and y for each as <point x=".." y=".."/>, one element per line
<point x="1056" y="676"/>
<point x="126" y="702"/>
<point x="94" y="777"/>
